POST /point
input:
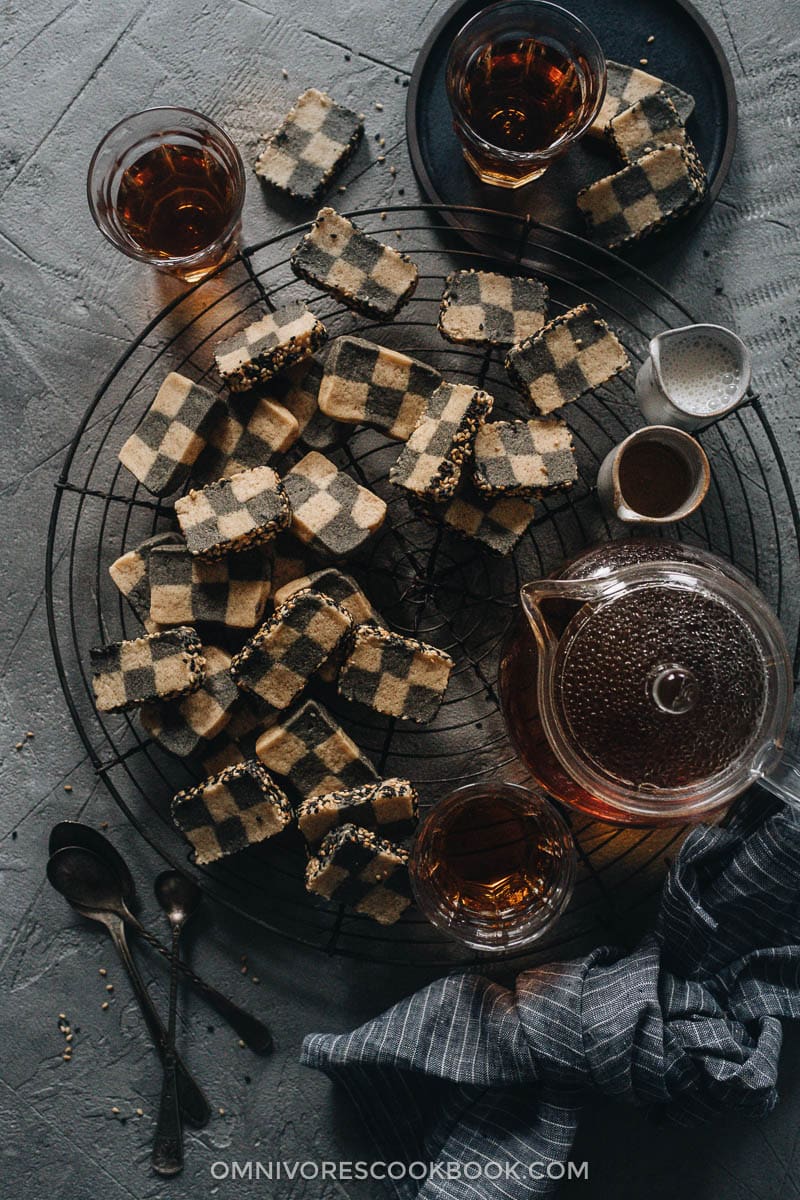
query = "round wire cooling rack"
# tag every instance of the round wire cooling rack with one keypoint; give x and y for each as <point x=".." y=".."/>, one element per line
<point x="450" y="592"/>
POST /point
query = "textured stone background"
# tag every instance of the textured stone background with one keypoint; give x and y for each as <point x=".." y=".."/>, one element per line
<point x="68" y="306"/>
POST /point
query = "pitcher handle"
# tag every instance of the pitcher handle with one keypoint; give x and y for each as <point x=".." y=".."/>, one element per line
<point x="781" y="777"/>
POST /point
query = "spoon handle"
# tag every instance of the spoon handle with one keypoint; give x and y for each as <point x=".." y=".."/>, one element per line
<point x="253" y="1032"/>
<point x="167" y="1153"/>
<point x="190" y="1097"/>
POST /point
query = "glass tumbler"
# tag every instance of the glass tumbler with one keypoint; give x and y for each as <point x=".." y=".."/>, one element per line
<point x="493" y="864"/>
<point x="166" y="186"/>
<point x="525" y="79"/>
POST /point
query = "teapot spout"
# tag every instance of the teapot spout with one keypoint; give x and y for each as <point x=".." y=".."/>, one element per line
<point x="544" y="615"/>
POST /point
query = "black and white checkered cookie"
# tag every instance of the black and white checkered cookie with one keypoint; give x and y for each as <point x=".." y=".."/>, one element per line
<point x="338" y="257"/>
<point x="160" y="666"/>
<point x="331" y="513"/>
<point x="340" y="587"/>
<point x="233" y="514"/>
<point x="498" y="524"/>
<point x="571" y="355"/>
<point x="311" y="145"/>
<point x="626" y="85"/>
<point x="172" y="433"/>
<point x="398" y="676"/>
<point x="641" y="198"/>
<point x="431" y="460"/>
<point x="367" y="873"/>
<point x="249" y="433"/>
<point x="186" y="726"/>
<point x="482" y="308"/>
<point x="277" y="662"/>
<point x="313" y="753"/>
<point x="651" y="122"/>
<point x="270" y="344"/>
<point x="390" y="806"/>
<point x="365" y="384"/>
<point x="301" y="398"/>
<point x="230" y="592"/>
<point x="131" y="574"/>
<point x="523" y="458"/>
<point x="237" y="808"/>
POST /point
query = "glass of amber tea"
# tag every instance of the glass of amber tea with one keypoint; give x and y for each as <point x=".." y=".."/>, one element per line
<point x="167" y="186"/>
<point x="493" y="864"/>
<point x="525" y="80"/>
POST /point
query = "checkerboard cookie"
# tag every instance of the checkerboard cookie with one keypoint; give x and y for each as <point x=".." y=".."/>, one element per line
<point x="230" y="592"/>
<point x="643" y="197"/>
<point x="231" y="811"/>
<point x="626" y="85"/>
<point x="249" y="433"/>
<point x="431" y="460"/>
<point x="397" y="676"/>
<point x="277" y="662"/>
<point x="301" y="398"/>
<point x="313" y="753"/>
<point x="310" y="146"/>
<point x="367" y="873"/>
<point x="186" y="727"/>
<point x="498" y="524"/>
<point x="276" y="341"/>
<point x="233" y="514"/>
<point x="651" y="122"/>
<point x="523" y="458"/>
<point x="365" y="384"/>
<point x="160" y="666"/>
<point x="482" y="308"/>
<point x="331" y="513"/>
<point x="173" y="431"/>
<point x="221" y="752"/>
<point x="291" y="560"/>
<point x="340" y="587"/>
<point x="338" y="257"/>
<point x="390" y="806"/>
<point x="571" y="355"/>
<point x="131" y="573"/>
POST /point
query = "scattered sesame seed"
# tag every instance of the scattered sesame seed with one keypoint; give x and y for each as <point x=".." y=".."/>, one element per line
<point x="140" y="1112"/>
<point x="66" y="1057"/>
<point x="381" y="141"/>
<point x="361" y="116"/>
<point x="67" y="787"/>
<point x="284" y="73"/>
<point x="255" y="979"/>
<point x="115" y="1110"/>
<point x="109" y="987"/>
<point x="384" y="216"/>
<point x="381" y="158"/>
<point x="104" y="1005"/>
<point x="221" y="1112"/>
<point x="104" y="824"/>
<point x="243" y="968"/>
<point x="18" y="746"/>
<point x="651" y="39"/>
<point x="643" y="61"/>
<point x="392" y="170"/>
<point x="342" y="188"/>
<point x="347" y="57"/>
<point x="102" y="971"/>
<point x="401" y="191"/>
<point x="378" y="106"/>
<point x="29" y="734"/>
<point x="69" y="1037"/>
<point x="62" y="1016"/>
<point x="241" y="1044"/>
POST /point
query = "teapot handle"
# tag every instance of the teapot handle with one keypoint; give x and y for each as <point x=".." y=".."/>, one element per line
<point x="781" y="777"/>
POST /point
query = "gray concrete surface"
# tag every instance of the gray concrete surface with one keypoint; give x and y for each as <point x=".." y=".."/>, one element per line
<point x="68" y="306"/>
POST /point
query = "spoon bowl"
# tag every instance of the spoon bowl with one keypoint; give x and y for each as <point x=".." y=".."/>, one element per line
<point x="85" y="880"/>
<point x="74" y="833"/>
<point x="177" y="895"/>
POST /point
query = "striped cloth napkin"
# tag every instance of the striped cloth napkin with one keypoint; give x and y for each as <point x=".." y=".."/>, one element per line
<point x="467" y="1072"/>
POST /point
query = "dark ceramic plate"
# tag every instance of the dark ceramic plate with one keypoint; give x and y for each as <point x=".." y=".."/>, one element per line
<point x="685" y="51"/>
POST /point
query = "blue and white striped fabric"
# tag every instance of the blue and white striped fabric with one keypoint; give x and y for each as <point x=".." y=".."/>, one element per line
<point x="466" y="1071"/>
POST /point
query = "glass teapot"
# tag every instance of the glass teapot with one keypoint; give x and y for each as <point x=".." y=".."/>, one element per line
<point x="648" y="684"/>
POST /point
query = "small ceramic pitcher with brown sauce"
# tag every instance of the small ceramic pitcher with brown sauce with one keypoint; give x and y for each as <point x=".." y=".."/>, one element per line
<point x="655" y="476"/>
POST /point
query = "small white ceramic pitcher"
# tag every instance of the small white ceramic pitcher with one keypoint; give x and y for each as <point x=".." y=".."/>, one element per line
<point x="693" y="375"/>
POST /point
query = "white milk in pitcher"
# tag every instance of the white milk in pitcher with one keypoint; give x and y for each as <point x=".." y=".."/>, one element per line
<point x="700" y="374"/>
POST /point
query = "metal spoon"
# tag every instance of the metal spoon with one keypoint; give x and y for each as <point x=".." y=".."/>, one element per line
<point x="73" y="833"/>
<point x="178" y="897"/>
<point x="92" y="889"/>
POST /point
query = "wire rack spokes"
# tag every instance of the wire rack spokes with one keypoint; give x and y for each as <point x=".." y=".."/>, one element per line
<point x="423" y="581"/>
